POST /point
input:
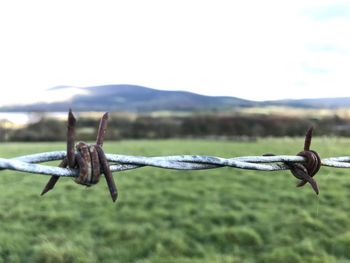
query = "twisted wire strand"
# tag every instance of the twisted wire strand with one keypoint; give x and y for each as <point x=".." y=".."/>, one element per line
<point x="30" y="163"/>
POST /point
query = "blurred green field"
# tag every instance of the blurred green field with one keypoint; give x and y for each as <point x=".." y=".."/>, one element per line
<point x="219" y="215"/>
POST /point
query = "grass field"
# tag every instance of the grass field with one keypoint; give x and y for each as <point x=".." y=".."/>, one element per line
<point x="219" y="215"/>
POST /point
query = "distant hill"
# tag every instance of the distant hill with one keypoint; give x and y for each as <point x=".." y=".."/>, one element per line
<point x="323" y="103"/>
<point x="133" y="98"/>
<point x="141" y="99"/>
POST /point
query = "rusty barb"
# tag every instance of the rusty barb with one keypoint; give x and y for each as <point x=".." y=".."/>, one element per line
<point x="305" y="171"/>
<point x="86" y="162"/>
<point x="89" y="159"/>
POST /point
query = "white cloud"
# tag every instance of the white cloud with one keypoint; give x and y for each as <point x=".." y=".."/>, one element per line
<point x="249" y="49"/>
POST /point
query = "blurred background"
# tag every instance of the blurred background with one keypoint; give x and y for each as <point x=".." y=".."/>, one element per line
<point x="139" y="112"/>
<point x="219" y="78"/>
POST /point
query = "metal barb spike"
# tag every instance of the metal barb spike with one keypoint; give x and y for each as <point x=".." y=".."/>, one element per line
<point x="53" y="180"/>
<point x="308" y="138"/>
<point x="108" y="174"/>
<point x="102" y="129"/>
<point x="70" y="159"/>
<point x="71" y="139"/>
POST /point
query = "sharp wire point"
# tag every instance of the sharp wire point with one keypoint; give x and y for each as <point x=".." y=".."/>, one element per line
<point x="308" y="138"/>
<point x="114" y="197"/>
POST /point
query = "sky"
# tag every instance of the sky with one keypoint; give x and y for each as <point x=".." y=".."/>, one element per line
<point x="258" y="50"/>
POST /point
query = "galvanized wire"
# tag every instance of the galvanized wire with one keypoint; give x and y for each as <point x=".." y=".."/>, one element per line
<point x="29" y="163"/>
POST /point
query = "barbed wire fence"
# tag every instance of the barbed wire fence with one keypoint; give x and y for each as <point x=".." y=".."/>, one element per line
<point x="83" y="165"/>
<point x="29" y="163"/>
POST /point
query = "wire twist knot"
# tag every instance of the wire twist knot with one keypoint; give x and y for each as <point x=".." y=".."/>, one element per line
<point x="306" y="171"/>
<point x="89" y="159"/>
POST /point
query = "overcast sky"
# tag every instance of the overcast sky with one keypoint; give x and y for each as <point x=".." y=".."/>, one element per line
<point x="250" y="49"/>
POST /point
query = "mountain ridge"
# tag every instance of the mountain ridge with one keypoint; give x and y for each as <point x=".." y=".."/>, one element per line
<point x="134" y="98"/>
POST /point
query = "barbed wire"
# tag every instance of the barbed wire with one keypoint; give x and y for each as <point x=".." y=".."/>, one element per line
<point x="30" y="163"/>
<point x="86" y="162"/>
